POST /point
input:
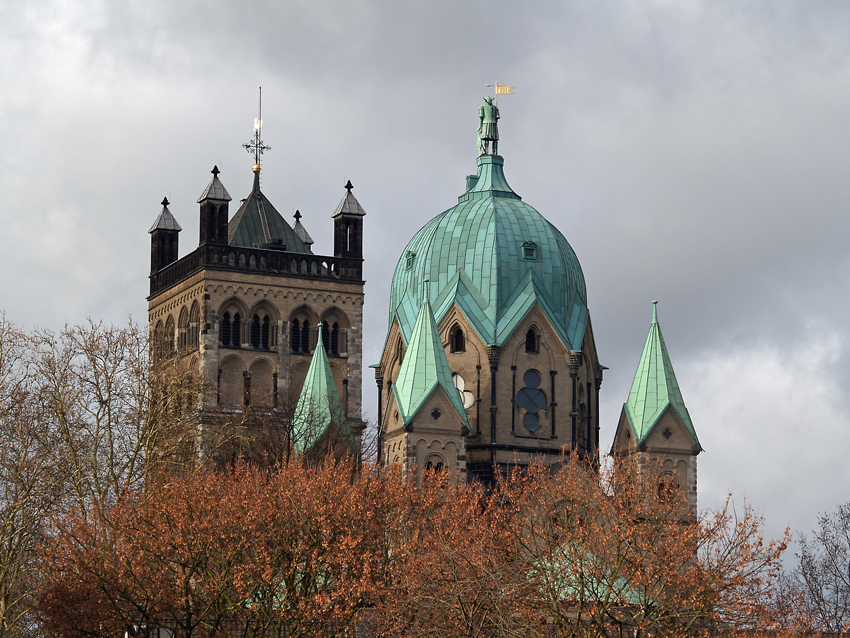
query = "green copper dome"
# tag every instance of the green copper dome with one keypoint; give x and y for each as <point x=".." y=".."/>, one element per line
<point x="495" y="256"/>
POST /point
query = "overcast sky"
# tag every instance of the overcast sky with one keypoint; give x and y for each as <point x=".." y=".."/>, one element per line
<point x="693" y="152"/>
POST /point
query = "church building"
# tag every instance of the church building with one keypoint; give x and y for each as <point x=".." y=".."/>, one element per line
<point x="490" y="362"/>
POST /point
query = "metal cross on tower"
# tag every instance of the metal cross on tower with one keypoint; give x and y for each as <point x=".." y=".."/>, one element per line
<point x="256" y="145"/>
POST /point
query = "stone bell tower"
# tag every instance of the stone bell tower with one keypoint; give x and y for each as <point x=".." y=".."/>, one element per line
<point x="246" y="306"/>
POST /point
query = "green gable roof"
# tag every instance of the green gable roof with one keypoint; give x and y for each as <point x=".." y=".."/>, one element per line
<point x="495" y="256"/>
<point x="318" y="406"/>
<point x="655" y="388"/>
<point x="424" y="368"/>
<point x="257" y="224"/>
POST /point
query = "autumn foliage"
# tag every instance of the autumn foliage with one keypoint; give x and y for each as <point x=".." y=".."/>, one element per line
<point x="305" y="551"/>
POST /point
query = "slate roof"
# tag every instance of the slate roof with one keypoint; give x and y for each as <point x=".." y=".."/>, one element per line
<point x="215" y="189"/>
<point x="319" y="406"/>
<point x="165" y="220"/>
<point x="473" y="254"/>
<point x="299" y="229"/>
<point x="424" y="368"/>
<point x="349" y="204"/>
<point x="257" y="224"/>
<point x="655" y="388"/>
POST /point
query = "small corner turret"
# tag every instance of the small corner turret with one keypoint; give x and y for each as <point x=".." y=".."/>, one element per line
<point x="164" y="238"/>
<point x="348" y="233"/>
<point x="214" y="212"/>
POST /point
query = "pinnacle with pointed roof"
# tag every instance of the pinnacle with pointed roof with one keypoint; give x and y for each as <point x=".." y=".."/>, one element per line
<point x="424" y="368"/>
<point x="655" y="388"/>
<point x="215" y="189"/>
<point x="319" y="407"/>
<point x="299" y="229"/>
<point x="165" y="220"/>
<point x="349" y="204"/>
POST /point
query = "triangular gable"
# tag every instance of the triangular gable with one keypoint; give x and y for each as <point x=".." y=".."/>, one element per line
<point x="424" y="368"/>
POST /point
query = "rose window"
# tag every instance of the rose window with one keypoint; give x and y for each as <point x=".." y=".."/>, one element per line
<point x="531" y="399"/>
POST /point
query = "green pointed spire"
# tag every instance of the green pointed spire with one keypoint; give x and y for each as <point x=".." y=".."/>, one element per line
<point x="424" y="368"/>
<point x="318" y="405"/>
<point x="655" y="387"/>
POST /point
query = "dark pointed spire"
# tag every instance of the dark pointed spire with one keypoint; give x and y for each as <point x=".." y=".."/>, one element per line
<point x="215" y="189"/>
<point x="299" y="229"/>
<point x="165" y="220"/>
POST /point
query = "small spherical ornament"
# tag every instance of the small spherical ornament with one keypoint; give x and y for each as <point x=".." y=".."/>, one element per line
<point x="256" y="168"/>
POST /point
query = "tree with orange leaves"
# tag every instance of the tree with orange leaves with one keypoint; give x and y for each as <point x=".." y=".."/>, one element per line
<point x="293" y="551"/>
<point x="614" y="555"/>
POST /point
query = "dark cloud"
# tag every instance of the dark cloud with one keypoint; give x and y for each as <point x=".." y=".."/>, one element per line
<point x="690" y="151"/>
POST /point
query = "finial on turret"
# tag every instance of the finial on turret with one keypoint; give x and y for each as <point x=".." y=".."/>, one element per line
<point x="654" y="311"/>
<point x="256" y="146"/>
<point x="297" y="215"/>
<point x="349" y="186"/>
<point x="165" y="201"/>
<point x="215" y="170"/>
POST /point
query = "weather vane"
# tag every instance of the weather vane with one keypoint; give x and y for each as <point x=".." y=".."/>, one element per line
<point x="502" y="89"/>
<point x="256" y="146"/>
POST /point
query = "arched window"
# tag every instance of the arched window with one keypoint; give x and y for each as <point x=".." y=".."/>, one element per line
<point x="334" y="349"/>
<point x="230" y="330"/>
<point x="435" y="463"/>
<point x="194" y="326"/>
<point x="226" y="327"/>
<point x="457" y="340"/>
<point x="326" y="337"/>
<point x="183" y="330"/>
<point x="532" y="341"/>
<point x="305" y="336"/>
<point x="260" y="331"/>
<point x="169" y="336"/>
<point x="159" y="340"/>
<point x="400" y="351"/>
<point x="295" y="336"/>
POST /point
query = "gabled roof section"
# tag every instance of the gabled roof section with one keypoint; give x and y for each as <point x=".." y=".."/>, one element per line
<point x="215" y="189"/>
<point x="319" y="406"/>
<point x="257" y="224"/>
<point x="349" y="204"/>
<point x="424" y="368"/>
<point x="299" y="229"/>
<point x="165" y="220"/>
<point x="655" y="388"/>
